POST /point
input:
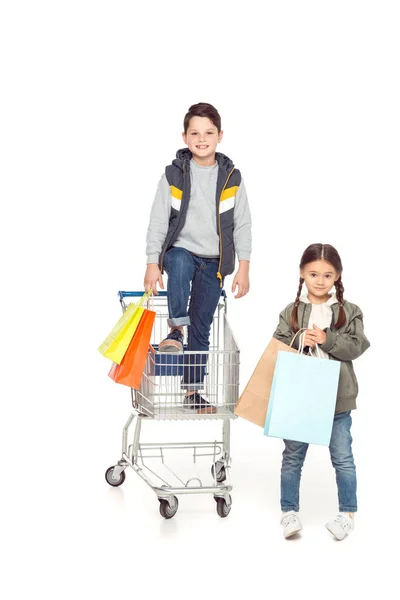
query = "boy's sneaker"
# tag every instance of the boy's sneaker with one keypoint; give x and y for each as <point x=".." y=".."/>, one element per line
<point x="172" y="343"/>
<point x="340" y="526"/>
<point x="199" y="404"/>
<point x="290" y="523"/>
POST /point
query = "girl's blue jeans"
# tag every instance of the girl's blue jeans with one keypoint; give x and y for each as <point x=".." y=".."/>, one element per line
<point x="342" y="461"/>
<point x="190" y="275"/>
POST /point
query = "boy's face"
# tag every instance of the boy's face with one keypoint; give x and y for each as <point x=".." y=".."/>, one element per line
<point x="202" y="138"/>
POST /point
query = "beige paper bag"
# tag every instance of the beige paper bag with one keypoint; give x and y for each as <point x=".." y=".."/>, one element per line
<point x="253" y="403"/>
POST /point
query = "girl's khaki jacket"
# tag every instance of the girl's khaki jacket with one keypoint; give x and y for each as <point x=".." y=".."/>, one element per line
<point x="344" y="344"/>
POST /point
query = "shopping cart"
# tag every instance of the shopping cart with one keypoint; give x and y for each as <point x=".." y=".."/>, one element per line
<point x="161" y="397"/>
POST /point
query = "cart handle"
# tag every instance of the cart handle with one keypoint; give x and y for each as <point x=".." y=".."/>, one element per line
<point x="138" y="294"/>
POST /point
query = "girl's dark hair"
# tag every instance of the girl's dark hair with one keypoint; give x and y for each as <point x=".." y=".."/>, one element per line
<point x="331" y="255"/>
<point x="202" y="110"/>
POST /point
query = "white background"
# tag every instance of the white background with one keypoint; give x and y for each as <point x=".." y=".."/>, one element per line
<point x="92" y="103"/>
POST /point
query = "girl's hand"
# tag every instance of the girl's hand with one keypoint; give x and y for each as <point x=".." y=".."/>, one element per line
<point x="241" y="280"/>
<point x="319" y="335"/>
<point x="309" y="338"/>
<point x="152" y="277"/>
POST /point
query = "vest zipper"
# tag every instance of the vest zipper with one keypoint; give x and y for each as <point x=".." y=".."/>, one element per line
<point x="219" y="229"/>
<point x="161" y="262"/>
<point x="160" y="266"/>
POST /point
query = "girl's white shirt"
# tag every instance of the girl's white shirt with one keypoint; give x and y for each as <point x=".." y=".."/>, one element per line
<point x="321" y="316"/>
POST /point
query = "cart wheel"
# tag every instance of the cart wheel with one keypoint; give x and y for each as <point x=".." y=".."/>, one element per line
<point x="114" y="482"/>
<point x="222" y="507"/>
<point x="166" y="510"/>
<point x="221" y="473"/>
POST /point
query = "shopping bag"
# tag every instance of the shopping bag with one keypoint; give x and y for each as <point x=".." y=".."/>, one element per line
<point x="130" y="371"/>
<point x="117" y="341"/>
<point x="253" y="403"/>
<point x="303" y="398"/>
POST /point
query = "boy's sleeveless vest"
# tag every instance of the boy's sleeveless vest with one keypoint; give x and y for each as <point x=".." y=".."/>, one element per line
<point x="229" y="178"/>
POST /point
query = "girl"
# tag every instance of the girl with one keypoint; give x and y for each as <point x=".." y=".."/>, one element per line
<point x="336" y="326"/>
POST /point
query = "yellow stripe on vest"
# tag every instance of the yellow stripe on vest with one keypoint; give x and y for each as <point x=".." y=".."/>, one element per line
<point x="176" y="192"/>
<point x="229" y="193"/>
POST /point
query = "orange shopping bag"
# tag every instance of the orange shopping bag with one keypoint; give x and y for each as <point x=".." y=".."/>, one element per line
<point x="130" y="371"/>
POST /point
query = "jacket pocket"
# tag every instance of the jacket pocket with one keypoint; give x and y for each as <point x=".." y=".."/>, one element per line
<point x="348" y="386"/>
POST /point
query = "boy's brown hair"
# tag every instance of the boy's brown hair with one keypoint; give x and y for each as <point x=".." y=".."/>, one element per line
<point x="202" y="109"/>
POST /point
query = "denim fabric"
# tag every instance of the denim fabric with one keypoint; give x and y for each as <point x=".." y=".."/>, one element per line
<point x="190" y="275"/>
<point x="342" y="461"/>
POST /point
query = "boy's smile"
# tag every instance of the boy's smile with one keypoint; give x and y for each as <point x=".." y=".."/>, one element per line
<point x="201" y="138"/>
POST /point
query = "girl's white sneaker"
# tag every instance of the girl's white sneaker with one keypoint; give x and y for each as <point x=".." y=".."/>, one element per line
<point x="340" y="526"/>
<point x="290" y="523"/>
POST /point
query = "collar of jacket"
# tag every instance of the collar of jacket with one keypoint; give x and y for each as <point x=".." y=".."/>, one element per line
<point x="304" y="312"/>
<point x="183" y="157"/>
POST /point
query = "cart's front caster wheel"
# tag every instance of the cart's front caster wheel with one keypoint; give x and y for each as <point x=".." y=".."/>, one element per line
<point x="166" y="510"/>
<point x="223" y="509"/>
<point x="114" y="482"/>
<point x="221" y="473"/>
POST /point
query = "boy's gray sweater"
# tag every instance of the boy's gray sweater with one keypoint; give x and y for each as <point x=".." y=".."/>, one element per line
<point x="199" y="234"/>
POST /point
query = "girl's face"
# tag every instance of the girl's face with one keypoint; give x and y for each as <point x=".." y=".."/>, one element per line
<point x="319" y="277"/>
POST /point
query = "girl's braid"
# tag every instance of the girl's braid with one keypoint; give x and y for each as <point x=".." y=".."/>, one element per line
<point x="339" y="295"/>
<point x="293" y="317"/>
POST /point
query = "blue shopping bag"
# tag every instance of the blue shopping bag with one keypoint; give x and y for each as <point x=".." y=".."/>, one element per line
<point x="303" y="398"/>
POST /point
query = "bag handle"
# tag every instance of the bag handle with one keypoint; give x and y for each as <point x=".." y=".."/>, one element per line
<point x="303" y="329"/>
<point x="143" y="297"/>
<point x="317" y="351"/>
<point x="301" y="344"/>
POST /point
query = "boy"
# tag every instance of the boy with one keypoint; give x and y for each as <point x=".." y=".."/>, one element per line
<point x="199" y="217"/>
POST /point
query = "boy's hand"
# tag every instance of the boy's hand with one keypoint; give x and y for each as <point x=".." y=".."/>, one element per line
<point x="152" y="277"/>
<point x="241" y="280"/>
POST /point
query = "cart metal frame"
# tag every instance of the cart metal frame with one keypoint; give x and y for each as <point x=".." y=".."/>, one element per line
<point x="161" y="397"/>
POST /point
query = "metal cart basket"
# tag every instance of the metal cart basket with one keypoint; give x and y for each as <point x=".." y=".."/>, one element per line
<point x="161" y="397"/>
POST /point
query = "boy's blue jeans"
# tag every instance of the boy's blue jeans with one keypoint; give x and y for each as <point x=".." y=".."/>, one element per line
<point x="183" y="269"/>
<point x="342" y="461"/>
